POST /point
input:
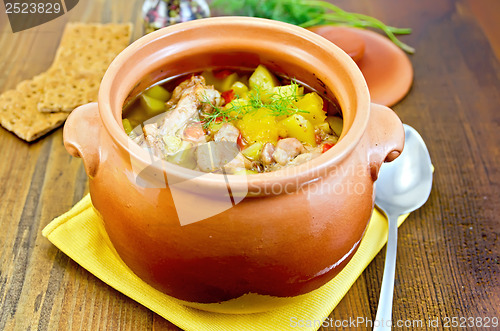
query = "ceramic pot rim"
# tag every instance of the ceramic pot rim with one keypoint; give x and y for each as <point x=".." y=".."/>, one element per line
<point x="299" y="174"/>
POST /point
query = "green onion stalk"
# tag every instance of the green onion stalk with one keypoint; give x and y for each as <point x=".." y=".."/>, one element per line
<point x="307" y="13"/>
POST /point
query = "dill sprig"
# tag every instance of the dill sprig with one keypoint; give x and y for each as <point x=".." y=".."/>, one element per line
<point x="222" y="114"/>
<point x="280" y="104"/>
<point x="307" y="13"/>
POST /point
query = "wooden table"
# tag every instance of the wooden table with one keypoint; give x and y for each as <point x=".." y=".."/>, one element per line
<point x="448" y="250"/>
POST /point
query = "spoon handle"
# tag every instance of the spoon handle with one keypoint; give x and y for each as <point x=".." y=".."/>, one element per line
<point x="384" y="310"/>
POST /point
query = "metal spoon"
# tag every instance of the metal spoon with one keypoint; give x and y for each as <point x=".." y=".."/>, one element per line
<point x="402" y="187"/>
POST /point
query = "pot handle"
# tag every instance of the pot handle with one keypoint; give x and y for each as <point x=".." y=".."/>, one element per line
<point x="386" y="136"/>
<point x="81" y="136"/>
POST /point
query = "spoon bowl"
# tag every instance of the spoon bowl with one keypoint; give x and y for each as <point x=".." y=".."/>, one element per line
<point x="403" y="186"/>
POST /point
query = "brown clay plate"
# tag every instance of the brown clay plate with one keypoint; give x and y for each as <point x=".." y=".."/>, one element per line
<point x="386" y="68"/>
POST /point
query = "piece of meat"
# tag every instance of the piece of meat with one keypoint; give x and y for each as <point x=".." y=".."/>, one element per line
<point x="139" y="140"/>
<point x="287" y="149"/>
<point x="186" y="109"/>
<point x="211" y="98"/>
<point x="227" y="132"/>
<point x="194" y="133"/>
<point x="154" y="139"/>
<point x="179" y="89"/>
<point x="302" y="158"/>
<point x="266" y="155"/>
<point x="187" y="98"/>
<point x="238" y="163"/>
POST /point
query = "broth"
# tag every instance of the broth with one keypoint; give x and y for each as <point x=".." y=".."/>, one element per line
<point x="233" y="121"/>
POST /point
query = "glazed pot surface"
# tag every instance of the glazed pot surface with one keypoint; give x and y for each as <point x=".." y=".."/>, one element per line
<point x="291" y="230"/>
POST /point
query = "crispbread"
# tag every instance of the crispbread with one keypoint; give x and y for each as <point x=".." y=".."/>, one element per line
<point x="19" y="114"/>
<point x="84" y="54"/>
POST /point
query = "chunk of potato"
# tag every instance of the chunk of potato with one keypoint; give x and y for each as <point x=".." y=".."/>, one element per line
<point x="263" y="81"/>
<point x="259" y="126"/>
<point x="299" y="127"/>
<point x="312" y="105"/>
<point x="287" y="92"/>
<point x="282" y="131"/>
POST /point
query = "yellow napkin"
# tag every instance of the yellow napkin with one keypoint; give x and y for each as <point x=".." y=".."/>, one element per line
<point x="80" y="234"/>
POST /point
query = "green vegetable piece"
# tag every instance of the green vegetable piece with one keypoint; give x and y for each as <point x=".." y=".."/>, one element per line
<point x="239" y="88"/>
<point x="158" y="92"/>
<point x="253" y="151"/>
<point x="185" y="157"/>
<point x="127" y="126"/>
<point x="215" y="126"/>
<point x="151" y="105"/>
<point x="336" y="123"/>
<point x="172" y="144"/>
<point x="228" y="82"/>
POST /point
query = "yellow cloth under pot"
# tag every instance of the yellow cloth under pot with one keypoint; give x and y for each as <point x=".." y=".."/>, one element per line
<point x="80" y="234"/>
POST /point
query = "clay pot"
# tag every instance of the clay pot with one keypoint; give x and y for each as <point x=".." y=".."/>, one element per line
<point x="287" y="232"/>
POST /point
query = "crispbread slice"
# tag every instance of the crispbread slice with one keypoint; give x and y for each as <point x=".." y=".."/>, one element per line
<point x="84" y="54"/>
<point x="19" y="113"/>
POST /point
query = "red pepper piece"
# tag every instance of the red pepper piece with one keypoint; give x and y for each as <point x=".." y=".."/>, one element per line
<point x="221" y="74"/>
<point x="317" y="137"/>
<point x="326" y="146"/>
<point x="241" y="142"/>
<point x="194" y="132"/>
<point x="228" y="96"/>
<point x="325" y="105"/>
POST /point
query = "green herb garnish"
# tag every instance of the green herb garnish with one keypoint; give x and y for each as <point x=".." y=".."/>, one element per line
<point x="307" y="13"/>
<point x="280" y="104"/>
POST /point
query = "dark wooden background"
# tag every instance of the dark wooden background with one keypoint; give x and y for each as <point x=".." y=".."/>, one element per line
<point x="448" y="250"/>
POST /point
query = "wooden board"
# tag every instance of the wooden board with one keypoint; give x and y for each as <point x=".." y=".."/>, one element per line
<point x="448" y="250"/>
